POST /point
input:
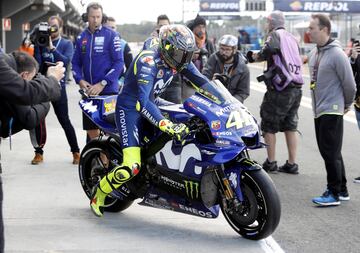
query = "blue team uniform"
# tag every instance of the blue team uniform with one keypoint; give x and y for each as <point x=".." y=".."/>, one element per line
<point x="98" y="56"/>
<point x="147" y="77"/>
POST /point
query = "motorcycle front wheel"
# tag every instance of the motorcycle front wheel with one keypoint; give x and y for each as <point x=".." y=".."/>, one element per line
<point x="93" y="166"/>
<point x="261" y="209"/>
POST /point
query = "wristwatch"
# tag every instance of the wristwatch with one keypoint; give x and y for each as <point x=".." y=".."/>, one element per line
<point x="103" y="82"/>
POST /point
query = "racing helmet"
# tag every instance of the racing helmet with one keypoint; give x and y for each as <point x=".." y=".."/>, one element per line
<point x="228" y="40"/>
<point x="177" y="45"/>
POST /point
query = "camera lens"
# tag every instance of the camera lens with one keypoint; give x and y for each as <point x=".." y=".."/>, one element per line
<point x="42" y="41"/>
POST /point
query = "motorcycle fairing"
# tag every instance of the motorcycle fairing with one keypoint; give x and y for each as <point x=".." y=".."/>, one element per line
<point x="163" y="200"/>
<point x="101" y="110"/>
<point x="227" y="121"/>
<point x="234" y="171"/>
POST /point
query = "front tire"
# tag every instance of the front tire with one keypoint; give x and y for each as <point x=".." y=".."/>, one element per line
<point x="92" y="169"/>
<point x="261" y="207"/>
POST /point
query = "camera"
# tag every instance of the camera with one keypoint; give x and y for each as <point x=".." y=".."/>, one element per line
<point x="39" y="36"/>
<point x="267" y="76"/>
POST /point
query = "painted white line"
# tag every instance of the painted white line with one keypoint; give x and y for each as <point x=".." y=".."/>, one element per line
<point x="305" y="101"/>
<point x="269" y="245"/>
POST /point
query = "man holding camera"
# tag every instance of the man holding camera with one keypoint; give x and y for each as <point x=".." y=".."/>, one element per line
<point x="98" y="61"/>
<point x="230" y="63"/>
<point x="283" y="79"/>
<point x="55" y="49"/>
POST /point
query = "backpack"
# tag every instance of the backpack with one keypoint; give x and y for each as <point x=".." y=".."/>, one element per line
<point x="287" y="67"/>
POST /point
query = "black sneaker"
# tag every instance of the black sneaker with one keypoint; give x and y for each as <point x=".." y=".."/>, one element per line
<point x="344" y="196"/>
<point x="357" y="180"/>
<point x="270" y="167"/>
<point x="289" y="168"/>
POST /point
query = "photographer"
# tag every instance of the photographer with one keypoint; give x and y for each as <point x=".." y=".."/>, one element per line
<point x="281" y="101"/>
<point x="355" y="65"/>
<point x="19" y="91"/>
<point x="54" y="48"/>
<point x="13" y="117"/>
<point x="229" y="62"/>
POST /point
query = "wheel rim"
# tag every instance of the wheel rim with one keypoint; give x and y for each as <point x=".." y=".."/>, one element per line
<point x="93" y="159"/>
<point x="253" y="215"/>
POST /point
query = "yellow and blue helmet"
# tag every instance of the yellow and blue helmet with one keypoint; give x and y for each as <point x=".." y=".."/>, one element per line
<point x="177" y="45"/>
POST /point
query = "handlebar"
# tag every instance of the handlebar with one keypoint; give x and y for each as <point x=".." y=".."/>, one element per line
<point x="83" y="94"/>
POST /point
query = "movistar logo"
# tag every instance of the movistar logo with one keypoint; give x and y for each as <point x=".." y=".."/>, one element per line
<point x="192" y="189"/>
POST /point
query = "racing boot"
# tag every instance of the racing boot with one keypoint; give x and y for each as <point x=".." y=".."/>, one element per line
<point x="115" y="179"/>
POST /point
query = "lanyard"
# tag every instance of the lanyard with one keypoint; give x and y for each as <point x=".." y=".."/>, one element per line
<point x="316" y="67"/>
<point x="315" y="70"/>
<point x="57" y="44"/>
<point x="51" y="54"/>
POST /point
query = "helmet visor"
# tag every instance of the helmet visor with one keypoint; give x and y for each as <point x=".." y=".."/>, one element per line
<point x="181" y="58"/>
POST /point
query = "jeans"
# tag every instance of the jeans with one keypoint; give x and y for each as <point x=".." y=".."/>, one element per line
<point x="62" y="113"/>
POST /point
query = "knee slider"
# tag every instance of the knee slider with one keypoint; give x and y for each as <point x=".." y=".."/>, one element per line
<point x="122" y="174"/>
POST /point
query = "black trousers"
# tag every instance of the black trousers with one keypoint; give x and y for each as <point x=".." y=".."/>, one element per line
<point x="329" y="136"/>
<point x="38" y="134"/>
<point x="2" y="242"/>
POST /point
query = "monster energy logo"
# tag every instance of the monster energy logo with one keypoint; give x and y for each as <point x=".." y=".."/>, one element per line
<point x="192" y="189"/>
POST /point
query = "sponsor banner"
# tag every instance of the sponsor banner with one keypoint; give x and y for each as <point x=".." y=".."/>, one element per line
<point x="318" y="6"/>
<point x="219" y="6"/>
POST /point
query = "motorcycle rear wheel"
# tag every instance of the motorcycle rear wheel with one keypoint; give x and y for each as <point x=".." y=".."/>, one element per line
<point x="261" y="213"/>
<point x="92" y="169"/>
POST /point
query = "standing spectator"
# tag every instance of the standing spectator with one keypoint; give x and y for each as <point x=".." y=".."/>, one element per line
<point x="333" y="90"/>
<point x="281" y="101"/>
<point x="355" y="64"/>
<point x="198" y="27"/>
<point x="229" y="62"/>
<point x="205" y="48"/>
<point x="127" y="55"/>
<point x="58" y="50"/>
<point x="98" y="61"/>
<point x="19" y="91"/>
<point x="162" y="20"/>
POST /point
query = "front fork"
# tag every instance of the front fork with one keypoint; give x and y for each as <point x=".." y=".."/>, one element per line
<point x="229" y="182"/>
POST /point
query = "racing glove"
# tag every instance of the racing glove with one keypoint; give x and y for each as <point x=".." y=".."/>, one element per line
<point x="178" y="131"/>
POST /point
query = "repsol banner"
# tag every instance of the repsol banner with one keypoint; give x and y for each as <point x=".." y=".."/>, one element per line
<point x="219" y="6"/>
<point x="318" y="6"/>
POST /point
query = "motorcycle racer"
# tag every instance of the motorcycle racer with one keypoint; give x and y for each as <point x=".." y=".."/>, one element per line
<point x="148" y="76"/>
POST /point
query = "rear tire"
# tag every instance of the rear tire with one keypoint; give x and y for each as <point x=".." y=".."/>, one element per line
<point x="92" y="169"/>
<point x="261" y="213"/>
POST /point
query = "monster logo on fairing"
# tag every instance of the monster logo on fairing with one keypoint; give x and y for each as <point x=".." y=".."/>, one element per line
<point x="192" y="189"/>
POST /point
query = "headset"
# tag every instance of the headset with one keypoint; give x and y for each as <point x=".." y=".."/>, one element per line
<point x="84" y="16"/>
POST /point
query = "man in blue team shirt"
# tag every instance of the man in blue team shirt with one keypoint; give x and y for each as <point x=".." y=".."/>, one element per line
<point x="148" y="76"/>
<point x="58" y="50"/>
<point x="98" y="60"/>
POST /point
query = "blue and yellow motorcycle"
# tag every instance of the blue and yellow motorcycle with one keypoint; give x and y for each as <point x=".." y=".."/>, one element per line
<point x="211" y="171"/>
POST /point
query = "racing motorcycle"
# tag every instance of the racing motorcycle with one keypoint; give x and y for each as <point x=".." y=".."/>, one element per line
<point x="212" y="170"/>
